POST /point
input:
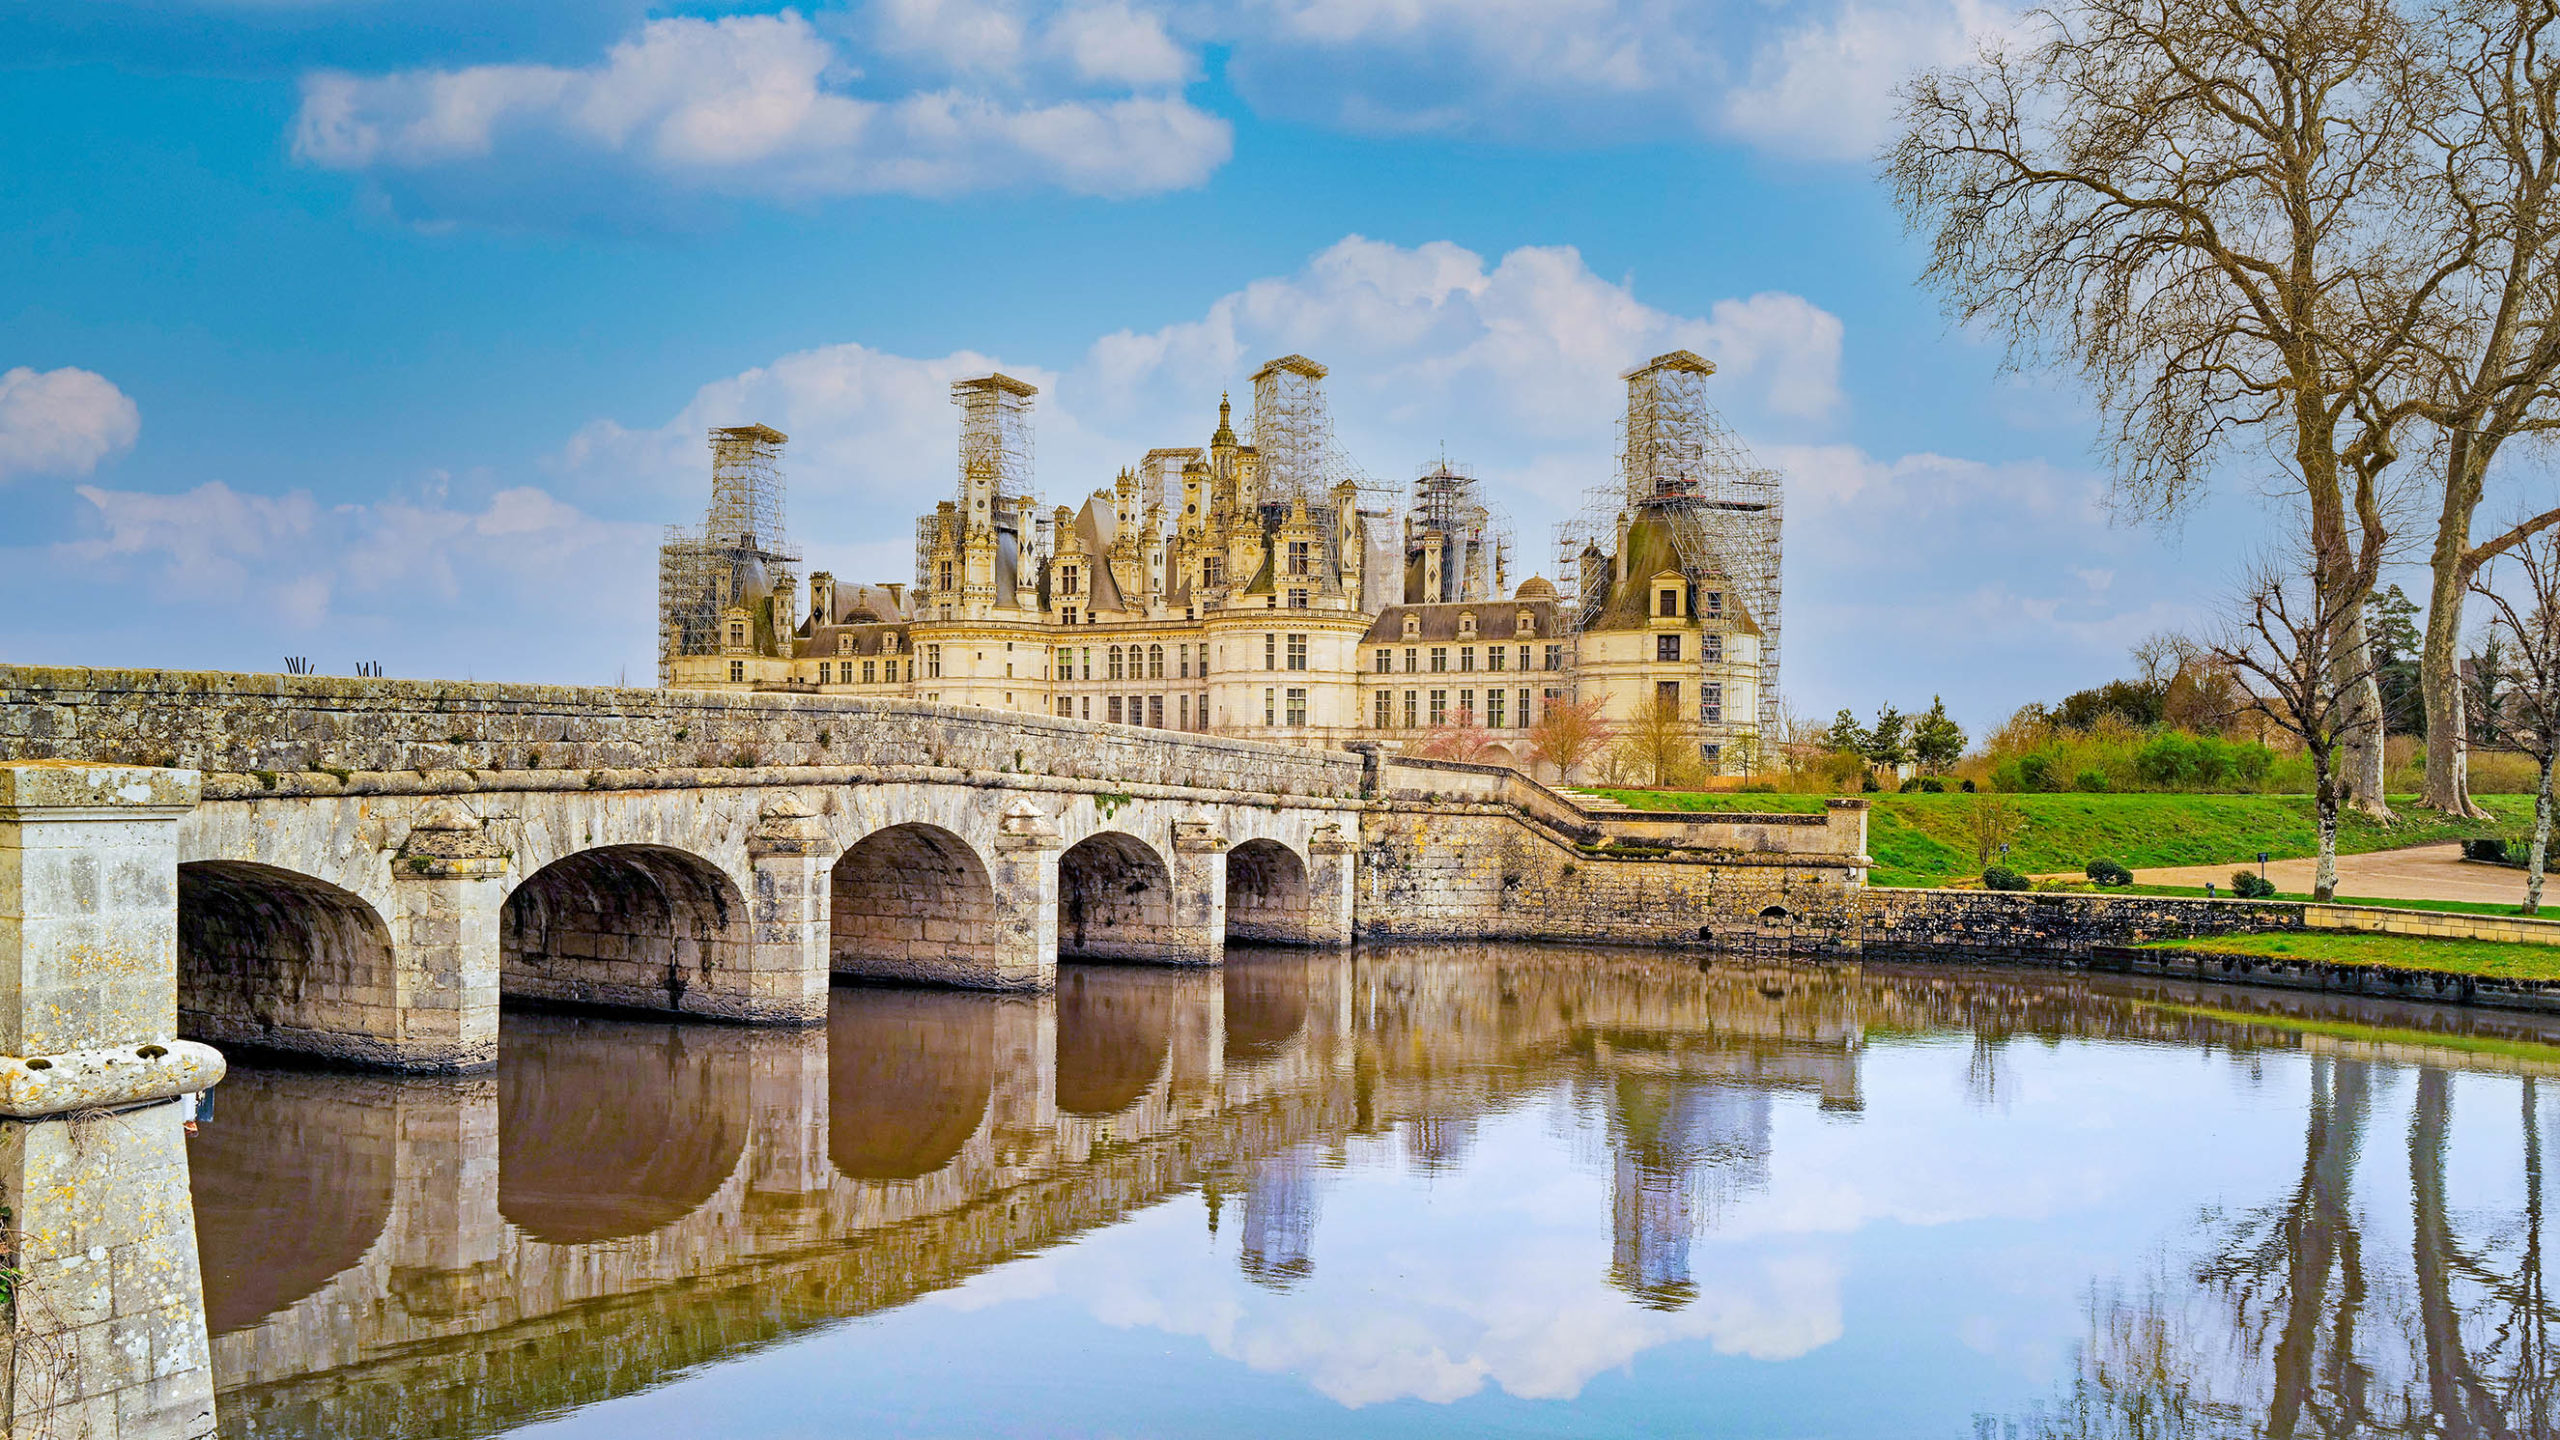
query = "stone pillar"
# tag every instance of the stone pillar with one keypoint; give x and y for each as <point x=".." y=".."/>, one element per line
<point x="1197" y="931"/>
<point x="1332" y="871"/>
<point x="1025" y="877"/>
<point x="106" y="1332"/>
<point x="450" y="879"/>
<point x="786" y="979"/>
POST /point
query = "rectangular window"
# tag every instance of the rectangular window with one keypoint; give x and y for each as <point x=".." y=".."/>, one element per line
<point x="1670" y="608"/>
<point x="1297" y="705"/>
<point x="1524" y="657"/>
<point x="889" y="671"/>
<point x="1466" y="659"/>
<point x="1066" y="663"/>
<point x="1467" y="703"/>
<point x="1115" y="709"/>
<point x="1066" y="707"/>
<point x="1385" y="709"/>
<point x="1666" y="647"/>
<point x="1386" y="661"/>
<point x="1412" y="716"/>
<point x="1666" y="693"/>
<point x="1186" y="712"/>
<point x="1298" y="558"/>
<point x="1439" y="659"/>
<point x="1555" y="657"/>
<point x="1711" y="704"/>
<point x="1412" y="659"/>
<point x="824" y="669"/>
<point x="1297" y="652"/>
<point x="870" y="671"/>
<point x="1439" y="707"/>
<point x="1270" y="651"/>
<point x="1270" y="706"/>
<point x="933" y="661"/>
<point x="1155" y="662"/>
<point x="1524" y="710"/>
<point x="1711" y="648"/>
<point x="942" y="576"/>
<point x="1185" y="659"/>
<point x="1715" y="602"/>
<point x="1493" y="657"/>
<point x="1115" y="662"/>
<point x="1297" y="599"/>
<point x="1086" y="707"/>
<point x="1155" y="711"/>
<point x="1088" y="662"/>
<point x="1493" y="709"/>
<point x="737" y="672"/>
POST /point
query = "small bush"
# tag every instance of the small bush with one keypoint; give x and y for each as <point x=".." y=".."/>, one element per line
<point x="2248" y="886"/>
<point x="2093" y="782"/>
<point x="1968" y="787"/>
<point x="2108" y="872"/>
<point x="2000" y="877"/>
<point x="1924" y="785"/>
<point x="2491" y="848"/>
<point x="1758" y="788"/>
<point x="1869" y="786"/>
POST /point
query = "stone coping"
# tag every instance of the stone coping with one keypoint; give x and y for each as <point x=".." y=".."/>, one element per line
<point x="331" y="784"/>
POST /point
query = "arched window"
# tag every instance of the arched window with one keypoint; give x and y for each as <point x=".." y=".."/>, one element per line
<point x="1155" y="662"/>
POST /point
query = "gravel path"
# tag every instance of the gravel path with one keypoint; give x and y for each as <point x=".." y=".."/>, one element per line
<point x="2421" y="872"/>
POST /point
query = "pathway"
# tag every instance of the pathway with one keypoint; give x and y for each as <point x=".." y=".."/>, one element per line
<point x="2420" y="872"/>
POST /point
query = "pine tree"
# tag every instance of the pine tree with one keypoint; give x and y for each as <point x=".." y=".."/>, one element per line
<point x="1936" y="741"/>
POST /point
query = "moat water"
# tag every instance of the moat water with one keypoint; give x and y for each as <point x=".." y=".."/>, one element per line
<point x="1433" y="1191"/>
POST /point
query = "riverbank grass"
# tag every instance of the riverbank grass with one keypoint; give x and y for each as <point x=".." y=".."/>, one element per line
<point x="2489" y="959"/>
<point x="1926" y="840"/>
<point x="2550" y="908"/>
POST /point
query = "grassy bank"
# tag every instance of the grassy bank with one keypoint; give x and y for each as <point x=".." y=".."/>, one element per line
<point x="2488" y="958"/>
<point x="1927" y="839"/>
<point x="2550" y="908"/>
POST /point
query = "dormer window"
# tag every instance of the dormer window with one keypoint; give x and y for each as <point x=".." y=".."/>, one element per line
<point x="844" y="644"/>
<point x="1467" y="623"/>
<point x="1669" y="604"/>
<point x="1412" y="626"/>
<point x="942" y="576"/>
<point x="1525" y="624"/>
<point x="1299" y="553"/>
<point x="738" y="633"/>
<point x="888" y="643"/>
<point x="1715" y="602"/>
<point x="1067" y="581"/>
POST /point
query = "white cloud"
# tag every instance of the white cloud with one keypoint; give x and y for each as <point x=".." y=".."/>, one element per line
<point x="745" y="105"/>
<point x="285" y="560"/>
<point x="1824" y="88"/>
<point x="62" y="422"/>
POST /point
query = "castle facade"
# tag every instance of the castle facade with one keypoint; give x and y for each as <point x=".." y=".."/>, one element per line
<point x="1262" y="590"/>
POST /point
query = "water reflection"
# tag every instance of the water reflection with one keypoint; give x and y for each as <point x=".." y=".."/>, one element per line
<point x="1426" y="1175"/>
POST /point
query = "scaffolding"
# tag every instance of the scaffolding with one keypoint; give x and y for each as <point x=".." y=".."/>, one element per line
<point x="739" y="548"/>
<point x="995" y="435"/>
<point x="1683" y="468"/>
<point x="1475" y="558"/>
<point x="1293" y="433"/>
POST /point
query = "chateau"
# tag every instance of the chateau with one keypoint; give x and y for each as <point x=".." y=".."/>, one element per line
<point x="1266" y="589"/>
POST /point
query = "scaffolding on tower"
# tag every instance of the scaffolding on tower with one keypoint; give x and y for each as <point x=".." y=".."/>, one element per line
<point x="740" y="543"/>
<point x="1293" y="433"/>
<point x="1448" y="501"/>
<point x="1681" y="466"/>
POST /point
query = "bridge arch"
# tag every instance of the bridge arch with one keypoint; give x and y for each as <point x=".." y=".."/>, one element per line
<point x="276" y="959"/>
<point x="292" y="1187"/>
<point x="1115" y="901"/>
<point x="910" y="1076"/>
<point x="914" y="902"/>
<point x="642" y="927"/>
<point x="1268" y="898"/>
<point x="601" y="1138"/>
<point x="1265" y="1007"/>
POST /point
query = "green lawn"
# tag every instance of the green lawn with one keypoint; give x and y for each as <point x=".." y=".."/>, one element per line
<point x="2494" y="959"/>
<point x="2550" y="908"/>
<point x="1923" y="839"/>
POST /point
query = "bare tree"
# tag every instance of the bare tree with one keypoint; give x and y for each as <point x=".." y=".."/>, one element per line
<point x="2291" y="644"/>
<point x="1460" y="737"/>
<point x="1570" y="732"/>
<point x="2521" y="706"/>
<point x="1660" y="742"/>
<point x="2206" y="207"/>
<point x="2493" y="372"/>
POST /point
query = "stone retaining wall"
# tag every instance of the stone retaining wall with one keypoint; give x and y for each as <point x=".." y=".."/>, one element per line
<point x="218" y="721"/>
<point x="2048" y="928"/>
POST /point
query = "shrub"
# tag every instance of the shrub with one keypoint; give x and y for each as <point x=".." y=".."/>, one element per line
<point x="2034" y="772"/>
<point x="2092" y="782"/>
<point x="2491" y="848"/>
<point x="1968" y="787"/>
<point x="1869" y="786"/>
<point x="1758" y="788"/>
<point x="1924" y="785"/>
<point x="2248" y="886"/>
<point x="2108" y="872"/>
<point x="2000" y="877"/>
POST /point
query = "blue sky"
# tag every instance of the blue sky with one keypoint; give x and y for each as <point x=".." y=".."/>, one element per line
<point x="366" y="331"/>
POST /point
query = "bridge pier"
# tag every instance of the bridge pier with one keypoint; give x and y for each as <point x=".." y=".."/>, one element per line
<point x="1332" y="885"/>
<point x="105" y="1329"/>
<point x="450" y="879"/>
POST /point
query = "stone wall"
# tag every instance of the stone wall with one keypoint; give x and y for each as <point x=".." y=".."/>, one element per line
<point x="2051" y="928"/>
<point x="245" y="724"/>
<point x="1479" y="872"/>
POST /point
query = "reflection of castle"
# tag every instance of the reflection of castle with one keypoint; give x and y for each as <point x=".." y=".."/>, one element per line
<point x="1682" y="1151"/>
<point x="1280" y="1220"/>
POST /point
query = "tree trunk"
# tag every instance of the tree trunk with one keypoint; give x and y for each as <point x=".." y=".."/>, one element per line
<point x="2447" y="786"/>
<point x="2541" y="851"/>
<point x="2324" y="874"/>
<point x="2361" y="767"/>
